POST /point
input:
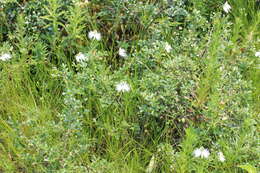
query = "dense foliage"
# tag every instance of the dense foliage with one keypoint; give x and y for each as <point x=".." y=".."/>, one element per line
<point x="129" y="86"/>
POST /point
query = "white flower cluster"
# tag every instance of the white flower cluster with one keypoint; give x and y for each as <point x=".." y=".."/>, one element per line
<point x="221" y="157"/>
<point x="94" y="35"/>
<point x="201" y="152"/>
<point x="122" y="53"/>
<point x="168" y="48"/>
<point x="80" y="57"/>
<point x="226" y="7"/>
<point x="5" y="57"/>
<point x="204" y="153"/>
<point x="123" y="87"/>
<point x="257" y="54"/>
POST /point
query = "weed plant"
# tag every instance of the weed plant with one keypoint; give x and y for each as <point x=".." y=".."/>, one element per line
<point x="129" y="86"/>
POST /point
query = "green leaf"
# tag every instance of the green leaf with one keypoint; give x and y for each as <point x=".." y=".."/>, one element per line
<point x="249" y="168"/>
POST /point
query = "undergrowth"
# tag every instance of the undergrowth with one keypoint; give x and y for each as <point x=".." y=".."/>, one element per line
<point x="129" y="86"/>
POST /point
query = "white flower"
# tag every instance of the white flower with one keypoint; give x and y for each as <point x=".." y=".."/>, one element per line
<point x="205" y="153"/>
<point x="201" y="152"/>
<point x="168" y="48"/>
<point x="221" y="156"/>
<point x="122" y="52"/>
<point x="94" y="35"/>
<point x="81" y="57"/>
<point x="257" y="54"/>
<point x="197" y="152"/>
<point x="123" y="87"/>
<point x="5" y="57"/>
<point x="226" y="7"/>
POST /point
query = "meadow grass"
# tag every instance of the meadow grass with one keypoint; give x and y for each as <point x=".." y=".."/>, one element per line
<point x="129" y="86"/>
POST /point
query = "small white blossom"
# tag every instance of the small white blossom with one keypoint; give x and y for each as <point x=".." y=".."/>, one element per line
<point x="81" y="57"/>
<point x="168" y="47"/>
<point x="221" y="156"/>
<point x="94" y="35"/>
<point x="226" y="7"/>
<point x="205" y="153"/>
<point x="123" y="87"/>
<point x="201" y="152"/>
<point x="5" y="57"/>
<point x="197" y="152"/>
<point x="122" y="52"/>
<point x="257" y="54"/>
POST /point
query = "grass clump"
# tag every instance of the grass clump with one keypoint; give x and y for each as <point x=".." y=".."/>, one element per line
<point x="129" y="86"/>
